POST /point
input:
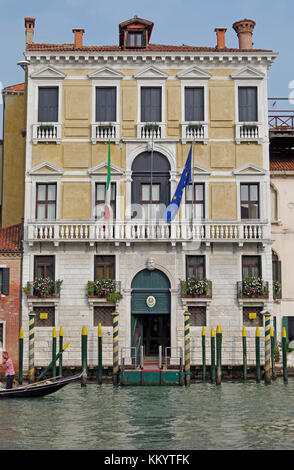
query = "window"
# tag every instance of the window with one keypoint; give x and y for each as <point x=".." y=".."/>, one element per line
<point x="46" y="201"/>
<point x="151" y="104"/>
<point x="135" y="39"/>
<point x="104" y="267"/>
<point x="100" y="195"/>
<point x="105" y="104"/>
<point x="252" y="316"/>
<point x="251" y="266"/>
<point x="195" y="201"/>
<point x="194" y="104"/>
<point x="4" y="281"/>
<point x="250" y="201"/>
<point x="48" y="104"/>
<point x="277" y="276"/>
<point x="197" y="315"/>
<point x="103" y="315"/>
<point x="150" y="200"/>
<point x="274" y="204"/>
<point x="44" y="316"/>
<point x="195" y="266"/>
<point x="44" y="267"/>
<point x="247" y="97"/>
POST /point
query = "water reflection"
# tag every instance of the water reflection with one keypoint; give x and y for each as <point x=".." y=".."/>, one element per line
<point x="203" y="416"/>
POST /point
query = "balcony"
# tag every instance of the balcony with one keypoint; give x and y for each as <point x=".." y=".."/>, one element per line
<point x="252" y="289"/>
<point x="196" y="132"/>
<point x="134" y="231"/>
<point x="46" y="132"/>
<point x="103" y="132"/>
<point x="194" y="288"/>
<point x="150" y="131"/>
<point x="248" y="132"/>
<point x="103" y="290"/>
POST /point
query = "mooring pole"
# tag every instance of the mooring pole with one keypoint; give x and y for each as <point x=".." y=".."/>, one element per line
<point x="84" y="356"/>
<point x="218" y="355"/>
<point x="212" y="367"/>
<point x="284" y="352"/>
<point x="244" y="353"/>
<point x="267" y="349"/>
<point x="203" y="354"/>
<point x="187" y="348"/>
<point x="115" y="316"/>
<point x="100" y="371"/>
<point x="60" y="349"/>
<point x="20" y="356"/>
<point x="31" y="347"/>
<point x="54" y="352"/>
<point x="273" y="343"/>
<point x="257" y="353"/>
<point x="52" y="362"/>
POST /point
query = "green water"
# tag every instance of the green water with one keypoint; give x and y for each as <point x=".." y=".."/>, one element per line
<point x="202" y="417"/>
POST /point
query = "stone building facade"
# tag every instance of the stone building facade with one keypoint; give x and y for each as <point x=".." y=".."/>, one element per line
<point x="148" y="103"/>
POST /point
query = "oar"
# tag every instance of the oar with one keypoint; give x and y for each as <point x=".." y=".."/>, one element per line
<point x="54" y="361"/>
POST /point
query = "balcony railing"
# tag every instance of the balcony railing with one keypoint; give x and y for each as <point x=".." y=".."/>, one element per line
<point x="150" y="131"/>
<point x="253" y="288"/>
<point x="132" y="231"/>
<point x="103" y="131"/>
<point x="248" y="132"/>
<point x="195" y="132"/>
<point x="196" y="288"/>
<point x="46" y="132"/>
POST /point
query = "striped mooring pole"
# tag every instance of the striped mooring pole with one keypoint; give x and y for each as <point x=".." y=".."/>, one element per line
<point x="20" y="356"/>
<point x="257" y="353"/>
<point x="284" y="353"/>
<point x="115" y="369"/>
<point x="187" y="347"/>
<point x="212" y="367"/>
<point x="60" y="349"/>
<point x="244" y="353"/>
<point x="203" y="354"/>
<point x="31" y="346"/>
<point x="100" y="371"/>
<point x="273" y="343"/>
<point x="267" y="348"/>
<point x="84" y="356"/>
<point x="54" y="352"/>
<point x="218" y="355"/>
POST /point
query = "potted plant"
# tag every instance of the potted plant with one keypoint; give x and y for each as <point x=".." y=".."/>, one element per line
<point x="104" y="289"/>
<point x="277" y="289"/>
<point x="43" y="287"/>
<point x="151" y="126"/>
<point x="254" y="287"/>
<point x="195" y="287"/>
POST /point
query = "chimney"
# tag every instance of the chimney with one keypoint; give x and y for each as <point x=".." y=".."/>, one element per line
<point x="244" y="29"/>
<point x="221" y="37"/>
<point x="30" y="26"/>
<point x="78" y="37"/>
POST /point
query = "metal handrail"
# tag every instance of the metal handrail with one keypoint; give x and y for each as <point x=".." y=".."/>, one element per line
<point x="171" y="348"/>
<point x="131" y="357"/>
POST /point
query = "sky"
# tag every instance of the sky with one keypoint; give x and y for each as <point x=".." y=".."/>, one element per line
<point x="176" y="22"/>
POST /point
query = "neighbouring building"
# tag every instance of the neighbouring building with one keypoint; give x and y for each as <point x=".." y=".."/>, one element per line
<point x="10" y="290"/>
<point x="148" y="103"/>
<point x="281" y="129"/>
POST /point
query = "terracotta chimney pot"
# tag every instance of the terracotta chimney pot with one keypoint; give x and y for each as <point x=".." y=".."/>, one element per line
<point x="221" y="37"/>
<point x="30" y="27"/>
<point x="244" y="30"/>
<point x="78" y="32"/>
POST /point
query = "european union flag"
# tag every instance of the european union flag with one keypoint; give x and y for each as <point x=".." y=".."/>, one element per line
<point x="186" y="179"/>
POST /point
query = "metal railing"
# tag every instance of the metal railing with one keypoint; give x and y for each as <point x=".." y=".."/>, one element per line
<point x="176" y="353"/>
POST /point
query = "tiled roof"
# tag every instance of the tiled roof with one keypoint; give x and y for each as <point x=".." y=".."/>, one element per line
<point x="149" y="48"/>
<point x="11" y="238"/>
<point x="18" y="87"/>
<point x="282" y="164"/>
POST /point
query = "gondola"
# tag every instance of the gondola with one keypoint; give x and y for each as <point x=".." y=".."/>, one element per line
<point x="39" y="389"/>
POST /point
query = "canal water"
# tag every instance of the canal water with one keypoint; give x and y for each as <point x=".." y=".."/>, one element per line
<point x="232" y="416"/>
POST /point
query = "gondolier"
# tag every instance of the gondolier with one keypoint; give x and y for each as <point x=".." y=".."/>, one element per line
<point x="9" y="370"/>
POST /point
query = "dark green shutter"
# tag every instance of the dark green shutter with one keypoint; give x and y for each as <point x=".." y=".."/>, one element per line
<point x="48" y="104"/>
<point x="150" y="104"/>
<point x="194" y="104"/>
<point x="5" y="281"/>
<point x="247" y="97"/>
<point x="106" y="104"/>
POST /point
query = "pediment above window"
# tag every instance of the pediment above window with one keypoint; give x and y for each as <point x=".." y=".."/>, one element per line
<point x="201" y="170"/>
<point x="45" y="168"/>
<point x="249" y="169"/>
<point x="247" y="73"/>
<point x="194" y="72"/>
<point x="151" y="72"/>
<point x="105" y="73"/>
<point x="101" y="169"/>
<point x="49" y="72"/>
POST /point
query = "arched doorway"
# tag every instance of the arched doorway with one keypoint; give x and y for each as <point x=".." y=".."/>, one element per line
<point x="150" y="311"/>
<point x="150" y="185"/>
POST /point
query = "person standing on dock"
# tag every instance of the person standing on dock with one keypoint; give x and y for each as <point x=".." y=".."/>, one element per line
<point x="9" y="370"/>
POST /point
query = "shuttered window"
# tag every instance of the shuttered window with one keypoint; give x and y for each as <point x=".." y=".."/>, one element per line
<point x="247" y="104"/>
<point x="150" y="104"/>
<point x="48" y="104"/>
<point x="106" y="104"/>
<point x="194" y="104"/>
<point x="4" y="281"/>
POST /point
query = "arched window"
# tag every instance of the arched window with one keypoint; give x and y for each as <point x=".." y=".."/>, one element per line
<point x="150" y="186"/>
<point x="277" y="276"/>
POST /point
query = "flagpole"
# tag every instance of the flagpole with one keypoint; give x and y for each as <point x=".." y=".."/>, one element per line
<point x="193" y="189"/>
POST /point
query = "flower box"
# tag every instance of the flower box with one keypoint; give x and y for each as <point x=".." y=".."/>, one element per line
<point x="106" y="288"/>
<point x="196" y="288"/>
<point x="43" y="288"/>
<point x="253" y="288"/>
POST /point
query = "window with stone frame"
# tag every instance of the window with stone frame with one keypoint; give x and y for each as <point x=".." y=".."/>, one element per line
<point x="44" y="316"/>
<point x="103" y="315"/>
<point x="46" y="201"/>
<point x="252" y="316"/>
<point x="197" y="315"/>
<point x="251" y="266"/>
<point x="104" y="267"/>
<point x="195" y="266"/>
<point x="250" y="201"/>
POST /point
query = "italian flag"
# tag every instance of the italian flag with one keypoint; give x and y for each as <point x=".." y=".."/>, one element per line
<point x="108" y="187"/>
